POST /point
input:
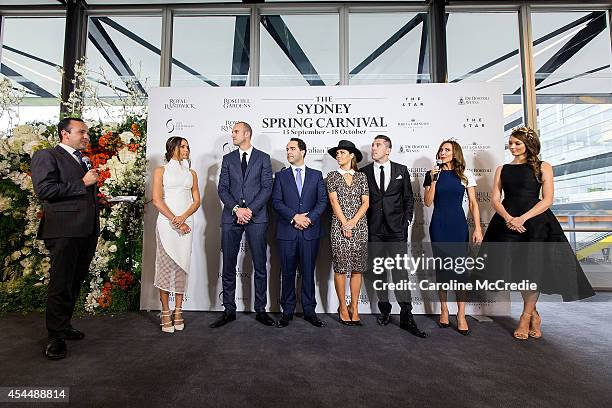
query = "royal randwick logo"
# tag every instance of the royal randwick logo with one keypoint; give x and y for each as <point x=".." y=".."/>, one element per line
<point x="179" y="104"/>
<point x="473" y="123"/>
<point x="472" y="100"/>
<point x="237" y="103"/>
<point x="413" y="102"/>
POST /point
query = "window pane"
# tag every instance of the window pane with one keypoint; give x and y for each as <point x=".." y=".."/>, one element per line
<point x="210" y="51"/>
<point x="574" y="102"/>
<point x="125" y="52"/>
<point x="388" y="48"/>
<point x="293" y="53"/>
<point x="484" y="47"/>
<point x="32" y="64"/>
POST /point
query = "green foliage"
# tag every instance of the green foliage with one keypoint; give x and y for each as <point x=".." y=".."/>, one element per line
<point x="22" y="295"/>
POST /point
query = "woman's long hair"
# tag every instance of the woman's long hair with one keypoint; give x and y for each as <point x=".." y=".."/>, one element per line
<point x="172" y="144"/>
<point x="354" y="163"/>
<point x="458" y="161"/>
<point x="530" y="138"/>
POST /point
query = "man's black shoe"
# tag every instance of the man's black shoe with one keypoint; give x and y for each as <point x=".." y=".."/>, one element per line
<point x="284" y="321"/>
<point x="314" y="320"/>
<point x="56" y="349"/>
<point x="74" y="334"/>
<point x="410" y="325"/>
<point x="383" y="319"/>
<point x="223" y="320"/>
<point x="263" y="318"/>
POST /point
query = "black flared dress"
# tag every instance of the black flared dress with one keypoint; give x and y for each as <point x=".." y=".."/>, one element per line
<point x="540" y="255"/>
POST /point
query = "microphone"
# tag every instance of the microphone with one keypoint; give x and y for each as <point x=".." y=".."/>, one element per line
<point x="439" y="163"/>
<point x="87" y="162"/>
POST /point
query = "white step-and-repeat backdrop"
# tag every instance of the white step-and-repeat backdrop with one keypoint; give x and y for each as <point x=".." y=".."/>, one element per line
<point x="416" y="117"/>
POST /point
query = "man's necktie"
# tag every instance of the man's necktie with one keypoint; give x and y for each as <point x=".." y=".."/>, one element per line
<point x="382" y="179"/>
<point x="79" y="156"/>
<point x="243" y="164"/>
<point x="298" y="180"/>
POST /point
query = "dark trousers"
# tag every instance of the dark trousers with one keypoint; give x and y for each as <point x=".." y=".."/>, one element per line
<point x="305" y="252"/>
<point x="231" y="235"/>
<point x="404" y="297"/>
<point x="70" y="259"/>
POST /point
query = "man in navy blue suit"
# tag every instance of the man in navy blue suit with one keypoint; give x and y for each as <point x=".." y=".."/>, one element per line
<point x="244" y="188"/>
<point x="299" y="197"/>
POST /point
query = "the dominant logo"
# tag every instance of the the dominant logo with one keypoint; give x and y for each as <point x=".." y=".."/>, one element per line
<point x="228" y="147"/>
<point x="170" y="125"/>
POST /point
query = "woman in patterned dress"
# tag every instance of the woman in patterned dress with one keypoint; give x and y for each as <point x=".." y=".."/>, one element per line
<point x="176" y="196"/>
<point x="349" y="198"/>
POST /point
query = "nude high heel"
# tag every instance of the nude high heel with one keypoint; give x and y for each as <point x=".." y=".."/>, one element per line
<point x="520" y="334"/>
<point x="535" y="325"/>
<point x="166" y="327"/>
<point x="178" y="323"/>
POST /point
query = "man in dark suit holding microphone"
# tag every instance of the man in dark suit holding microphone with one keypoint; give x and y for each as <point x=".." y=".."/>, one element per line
<point x="389" y="216"/>
<point x="66" y="185"/>
<point x="245" y="185"/>
<point x="299" y="197"/>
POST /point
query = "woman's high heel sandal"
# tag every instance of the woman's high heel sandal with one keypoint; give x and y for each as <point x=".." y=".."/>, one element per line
<point x="535" y="325"/>
<point x="178" y="323"/>
<point x="344" y="322"/>
<point x="167" y="327"/>
<point x="443" y="325"/>
<point x="523" y="321"/>
<point x="354" y="322"/>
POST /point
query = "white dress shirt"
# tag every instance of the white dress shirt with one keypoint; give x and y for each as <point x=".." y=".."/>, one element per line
<point x="387" y="170"/>
<point x="248" y="152"/>
<point x="71" y="151"/>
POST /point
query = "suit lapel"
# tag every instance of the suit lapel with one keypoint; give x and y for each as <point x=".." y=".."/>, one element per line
<point x="292" y="183"/>
<point x="69" y="158"/>
<point x="251" y="162"/>
<point x="372" y="175"/>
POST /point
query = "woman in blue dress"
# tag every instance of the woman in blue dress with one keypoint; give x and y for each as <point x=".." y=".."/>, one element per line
<point x="445" y="187"/>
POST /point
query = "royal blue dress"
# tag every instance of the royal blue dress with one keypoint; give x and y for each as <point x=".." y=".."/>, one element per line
<point x="448" y="229"/>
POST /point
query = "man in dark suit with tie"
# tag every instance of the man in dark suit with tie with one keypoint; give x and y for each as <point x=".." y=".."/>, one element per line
<point x="69" y="226"/>
<point x="299" y="197"/>
<point x="389" y="216"/>
<point x="244" y="188"/>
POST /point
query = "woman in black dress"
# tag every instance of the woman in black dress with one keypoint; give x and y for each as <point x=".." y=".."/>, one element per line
<point x="534" y="247"/>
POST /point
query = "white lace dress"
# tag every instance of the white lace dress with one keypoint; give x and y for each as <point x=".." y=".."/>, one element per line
<point x="173" y="254"/>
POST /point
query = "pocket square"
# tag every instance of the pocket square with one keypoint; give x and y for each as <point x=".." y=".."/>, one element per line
<point x="399" y="177"/>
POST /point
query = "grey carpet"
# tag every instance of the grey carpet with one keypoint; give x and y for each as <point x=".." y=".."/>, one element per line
<point x="126" y="361"/>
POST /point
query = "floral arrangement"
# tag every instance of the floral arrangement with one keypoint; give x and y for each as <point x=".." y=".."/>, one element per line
<point x="117" y="151"/>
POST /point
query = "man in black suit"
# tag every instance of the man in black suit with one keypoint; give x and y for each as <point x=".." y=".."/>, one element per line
<point x="389" y="216"/>
<point x="69" y="226"/>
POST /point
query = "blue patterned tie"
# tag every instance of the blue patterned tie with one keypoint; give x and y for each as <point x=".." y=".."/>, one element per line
<point x="298" y="181"/>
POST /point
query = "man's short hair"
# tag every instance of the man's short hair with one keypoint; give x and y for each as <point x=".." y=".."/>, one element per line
<point x="64" y="124"/>
<point x="301" y="144"/>
<point x="386" y="139"/>
<point x="246" y="126"/>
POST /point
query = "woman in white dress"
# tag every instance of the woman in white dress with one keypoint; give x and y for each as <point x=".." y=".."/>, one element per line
<point x="176" y="196"/>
